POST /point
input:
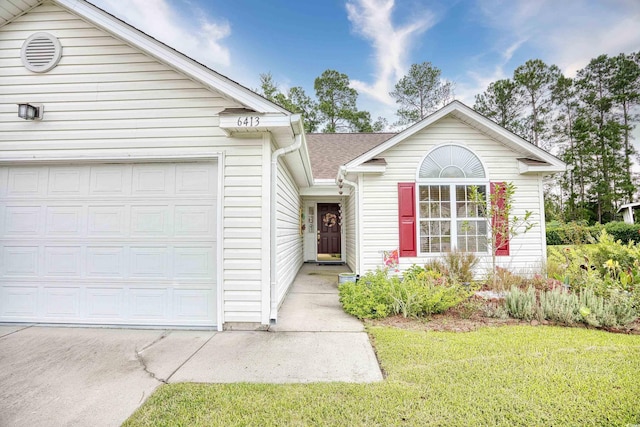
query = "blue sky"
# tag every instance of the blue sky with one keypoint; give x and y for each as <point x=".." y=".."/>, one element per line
<point x="375" y="41"/>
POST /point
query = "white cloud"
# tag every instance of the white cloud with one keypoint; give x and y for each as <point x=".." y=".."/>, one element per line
<point x="372" y="19"/>
<point x="565" y="33"/>
<point x="568" y="33"/>
<point x="193" y="34"/>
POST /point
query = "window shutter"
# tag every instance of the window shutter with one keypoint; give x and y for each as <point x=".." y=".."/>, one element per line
<point x="500" y="221"/>
<point x="407" y="218"/>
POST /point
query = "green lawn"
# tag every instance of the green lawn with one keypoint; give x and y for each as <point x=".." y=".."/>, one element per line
<point x="516" y="375"/>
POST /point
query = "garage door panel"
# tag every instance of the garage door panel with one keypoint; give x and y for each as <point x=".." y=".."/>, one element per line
<point x="105" y="304"/>
<point x="21" y="220"/>
<point x="105" y="261"/>
<point x="26" y="182"/>
<point x="65" y="221"/>
<point x="68" y="181"/>
<point x="19" y="302"/>
<point x="61" y="303"/>
<point x="107" y="221"/>
<point x="149" y="262"/>
<point x="153" y="180"/>
<point x="63" y="261"/>
<point x="197" y="303"/>
<point x="192" y="220"/>
<point x="148" y="304"/>
<point x="150" y="221"/>
<point x="130" y="244"/>
<point x="20" y="261"/>
<point x="194" y="262"/>
<point x="195" y="180"/>
<point x="110" y="180"/>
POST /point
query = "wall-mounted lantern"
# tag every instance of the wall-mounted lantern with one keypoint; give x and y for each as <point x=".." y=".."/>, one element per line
<point x="31" y="111"/>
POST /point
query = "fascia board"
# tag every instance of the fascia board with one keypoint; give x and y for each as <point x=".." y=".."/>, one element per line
<point x="525" y="169"/>
<point x="167" y="55"/>
<point x="367" y="169"/>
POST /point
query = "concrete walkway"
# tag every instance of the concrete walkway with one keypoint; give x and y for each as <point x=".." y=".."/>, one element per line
<point x="314" y="340"/>
<point x="98" y="376"/>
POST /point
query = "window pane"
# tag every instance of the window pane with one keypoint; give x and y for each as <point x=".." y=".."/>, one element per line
<point x="446" y="210"/>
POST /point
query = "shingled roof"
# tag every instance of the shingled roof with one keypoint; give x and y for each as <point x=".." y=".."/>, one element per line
<point x="328" y="151"/>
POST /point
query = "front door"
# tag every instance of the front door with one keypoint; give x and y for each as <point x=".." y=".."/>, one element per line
<point x="329" y="238"/>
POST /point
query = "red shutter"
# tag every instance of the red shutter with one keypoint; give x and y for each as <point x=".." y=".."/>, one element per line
<point x="407" y="218"/>
<point x="500" y="221"/>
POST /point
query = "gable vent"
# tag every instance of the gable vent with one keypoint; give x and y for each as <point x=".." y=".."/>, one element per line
<point x="41" y="52"/>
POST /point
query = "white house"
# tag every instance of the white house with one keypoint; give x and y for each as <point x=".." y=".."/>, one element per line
<point x="138" y="187"/>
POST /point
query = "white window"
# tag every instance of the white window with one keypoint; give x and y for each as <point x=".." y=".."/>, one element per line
<point x="447" y="218"/>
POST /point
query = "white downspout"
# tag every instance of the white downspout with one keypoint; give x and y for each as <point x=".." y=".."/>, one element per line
<point x="354" y="185"/>
<point x="273" y="204"/>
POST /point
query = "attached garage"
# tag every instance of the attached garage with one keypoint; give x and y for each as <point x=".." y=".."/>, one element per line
<point x="137" y="186"/>
<point x="128" y="244"/>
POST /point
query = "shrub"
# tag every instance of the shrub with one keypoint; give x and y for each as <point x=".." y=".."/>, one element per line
<point x="558" y="305"/>
<point x="456" y="266"/>
<point x="423" y="293"/>
<point x="521" y="304"/>
<point x="562" y="306"/>
<point x="624" y="232"/>
<point x="571" y="233"/>
<point x="503" y="279"/>
<point x="369" y="297"/>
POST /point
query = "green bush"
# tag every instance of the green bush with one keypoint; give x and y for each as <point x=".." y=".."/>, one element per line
<point x="624" y="232"/>
<point x="421" y="293"/>
<point x="456" y="266"/>
<point x="369" y="297"/>
<point x="521" y="304"/>
<point x="571" y="233"/>
<point x="577" y="233"/>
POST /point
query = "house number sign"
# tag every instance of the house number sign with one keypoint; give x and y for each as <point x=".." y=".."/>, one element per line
<point x="248" y="121"/>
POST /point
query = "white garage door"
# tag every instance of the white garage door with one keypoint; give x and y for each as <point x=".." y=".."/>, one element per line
<point x="131" y="244"/>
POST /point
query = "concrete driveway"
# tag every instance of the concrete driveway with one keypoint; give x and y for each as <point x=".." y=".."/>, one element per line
<point x="97" y="376"/>
<point x="85" y="376"/>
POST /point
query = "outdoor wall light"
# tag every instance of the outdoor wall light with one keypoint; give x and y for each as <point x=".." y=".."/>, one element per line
<point x="30" y="111"/>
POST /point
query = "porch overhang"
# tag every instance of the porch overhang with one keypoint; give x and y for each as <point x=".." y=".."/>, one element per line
<point x="324" y="187"/>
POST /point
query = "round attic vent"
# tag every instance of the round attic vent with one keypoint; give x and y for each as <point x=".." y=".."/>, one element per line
<point x="41" y="52"/>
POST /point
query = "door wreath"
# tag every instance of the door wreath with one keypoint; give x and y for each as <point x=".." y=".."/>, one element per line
<point x="329" y="219"/>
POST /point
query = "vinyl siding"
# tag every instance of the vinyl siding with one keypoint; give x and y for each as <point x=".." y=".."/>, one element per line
<point x="289" y="252"/>
<point x="380" y="213"/>
<point x="350" y="231"/>
<point x="105" y="96"/>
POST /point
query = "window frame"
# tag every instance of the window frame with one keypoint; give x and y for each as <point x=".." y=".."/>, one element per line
<point x="452" y="183"/>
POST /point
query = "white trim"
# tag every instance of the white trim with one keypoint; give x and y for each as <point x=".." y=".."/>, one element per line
<point x="141" y="156"/>
<point x="265" y="309"/>
<point x="368" y="168"/>
<point x="461" y="111"/>
<point x="543" y="225"/>
<point x="359" y="223"/>
<point x="164" y="53"/>
<point x="220" y="245"/>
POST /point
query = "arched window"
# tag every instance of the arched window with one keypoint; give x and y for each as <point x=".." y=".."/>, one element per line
<point x="451" y="161"/>
<point x="447" y="217"/>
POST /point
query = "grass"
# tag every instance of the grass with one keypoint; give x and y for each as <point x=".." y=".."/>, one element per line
<point x="508" y="376"/>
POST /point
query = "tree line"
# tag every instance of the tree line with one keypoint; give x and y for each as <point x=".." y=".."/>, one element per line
<point x="418" y="93"/>
<point x="587" y="121"/>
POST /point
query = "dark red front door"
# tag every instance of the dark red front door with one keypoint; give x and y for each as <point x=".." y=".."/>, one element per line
<point x="329" y="239"/>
